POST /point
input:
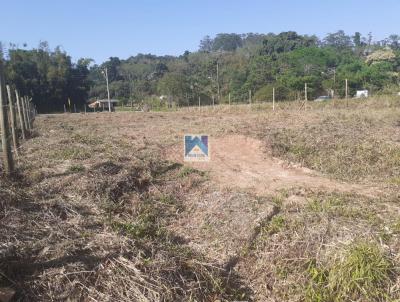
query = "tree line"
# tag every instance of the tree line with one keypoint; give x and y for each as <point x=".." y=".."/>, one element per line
<point x="224" y="65"/>
<point x="49" y="76"/>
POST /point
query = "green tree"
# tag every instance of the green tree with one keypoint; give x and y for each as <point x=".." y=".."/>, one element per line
<point x="174" y="86"/>
<point x="48" y="76"/>
<point x="338" y="40"/>
<point x="206" y="44"/>
<point x="226" y="42"/>
<point x="286" y="42"/>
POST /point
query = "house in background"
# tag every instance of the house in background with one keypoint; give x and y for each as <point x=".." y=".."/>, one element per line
<point x="102" y="105"/>
<point x="361" y="94"/>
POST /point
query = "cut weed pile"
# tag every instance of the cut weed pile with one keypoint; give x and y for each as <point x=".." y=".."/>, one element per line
<point x="99" y="214"/>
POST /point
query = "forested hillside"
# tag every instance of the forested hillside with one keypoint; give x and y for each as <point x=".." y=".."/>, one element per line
<point x="225" y="64"/>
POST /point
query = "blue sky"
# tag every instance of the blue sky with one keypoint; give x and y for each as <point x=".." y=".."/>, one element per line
<point x="100" y="29"/>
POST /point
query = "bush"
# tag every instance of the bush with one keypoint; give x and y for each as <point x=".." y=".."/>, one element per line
<point x="362" y="273"/>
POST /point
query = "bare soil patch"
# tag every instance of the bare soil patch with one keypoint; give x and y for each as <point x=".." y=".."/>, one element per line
<point x="242" y="162"/>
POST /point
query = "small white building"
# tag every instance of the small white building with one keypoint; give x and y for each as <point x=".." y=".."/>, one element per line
<point x="361" y="94"/>
<point x="103" y="104"/>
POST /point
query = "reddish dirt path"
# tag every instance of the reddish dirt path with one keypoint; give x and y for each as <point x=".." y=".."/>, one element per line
<point x="240" y="162"/>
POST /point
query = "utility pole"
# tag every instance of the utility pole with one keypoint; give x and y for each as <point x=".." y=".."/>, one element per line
<point x="108" y="90"/>
<point x="229" y="97"/>
<point x="199" y="103"/>
<point x="347" y="93"/>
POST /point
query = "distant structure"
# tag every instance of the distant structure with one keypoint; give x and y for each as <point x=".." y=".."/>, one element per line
<point x="361" y="94"/>
<point x="103" y="104"/>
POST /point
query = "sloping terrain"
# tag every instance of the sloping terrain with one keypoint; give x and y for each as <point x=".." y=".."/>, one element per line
<point x="293" y="206"/>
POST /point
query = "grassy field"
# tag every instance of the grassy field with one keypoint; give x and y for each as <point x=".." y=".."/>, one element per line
<point x="295" y="205"/>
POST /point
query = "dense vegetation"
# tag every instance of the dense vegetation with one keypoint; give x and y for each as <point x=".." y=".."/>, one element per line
<point x="226" y="64"/>
<point x="48" y="76"/>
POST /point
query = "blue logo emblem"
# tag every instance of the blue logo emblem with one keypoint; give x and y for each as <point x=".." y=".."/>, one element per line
<point x="196" y="148"/>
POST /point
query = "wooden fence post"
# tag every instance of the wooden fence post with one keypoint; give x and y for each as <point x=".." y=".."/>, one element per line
<point x="273" y="98"/>
<point x="13" y="120"/>
<point x="27" y="112"/>
<point x="20" y="115"/>
<point x="305" y="92"/>
<point x="250" y="97"/>
<point x="32" y="111"/>
<point x="23" y="107"/>
<point x="24" y="112"/>
<point x="305" y="96"/>
<point x="4" y="125"/>
<point x="199" y="103"/>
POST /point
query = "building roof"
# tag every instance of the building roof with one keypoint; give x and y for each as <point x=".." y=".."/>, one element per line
<point x="106" y="101"/>
<point x="103" y="103"/>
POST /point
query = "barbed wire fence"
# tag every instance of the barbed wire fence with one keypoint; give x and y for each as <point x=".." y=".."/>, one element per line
<point x="17" y="114"/>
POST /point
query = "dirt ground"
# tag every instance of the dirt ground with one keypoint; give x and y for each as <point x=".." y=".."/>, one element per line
<point x="242" y="162"/>
<point x="105" y="209"/>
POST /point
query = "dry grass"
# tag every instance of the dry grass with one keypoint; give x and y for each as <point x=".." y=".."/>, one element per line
<point x="98" y="214"/>
<point x="350" y="146"/>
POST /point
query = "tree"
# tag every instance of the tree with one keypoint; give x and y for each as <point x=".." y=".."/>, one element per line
<point x="357" y="40"/>
<point x="253" y="39"/>
<point x="206" y="44"/>
<point x="112" y="66"/>
<point x="226" y="42"/>
<point x="1" y="51"/>
<point x="394" y="41"/>
<point x="174" y="86"/>
<point x="48" y="76"/>
<point x="287" y="41"/>
<point x="249" y="61"/>
<point x="338" y="40"/>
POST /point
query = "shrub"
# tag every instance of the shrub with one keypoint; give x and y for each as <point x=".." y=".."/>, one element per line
<point x="362" y="273"/>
